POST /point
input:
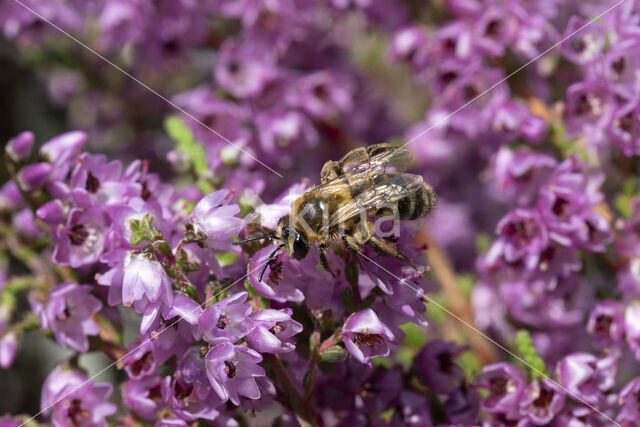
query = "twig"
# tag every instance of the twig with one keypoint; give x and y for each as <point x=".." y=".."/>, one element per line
<point x="306" y="416"/>
<point x="445" y="275"/>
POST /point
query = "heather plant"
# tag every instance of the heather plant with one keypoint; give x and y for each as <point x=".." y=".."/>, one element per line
<point x="194" y="125"/>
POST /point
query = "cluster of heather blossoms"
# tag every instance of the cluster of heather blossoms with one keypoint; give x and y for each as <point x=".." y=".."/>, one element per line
<point x="118" y="238"/>
<point x="121" y="237"/>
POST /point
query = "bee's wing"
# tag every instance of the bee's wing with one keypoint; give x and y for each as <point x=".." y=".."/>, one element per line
<point x="385" y="159"/>
<point x="386" y="191"/>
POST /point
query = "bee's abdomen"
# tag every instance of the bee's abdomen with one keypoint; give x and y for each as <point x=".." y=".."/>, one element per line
<point x="418" y="204"/>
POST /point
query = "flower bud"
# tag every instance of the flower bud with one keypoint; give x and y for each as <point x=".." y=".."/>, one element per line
<point x="61" y="148"/>
<point x="19" y="148"/>
<point x="34" y="176"/>
<point x="51" y="212"/>
<point x="8" y="349"/>
<point x="334" y="354"/>
<point x="10" y="197"/>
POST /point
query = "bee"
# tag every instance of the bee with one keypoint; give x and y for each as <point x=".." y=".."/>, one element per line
<point x="367" y="183"/>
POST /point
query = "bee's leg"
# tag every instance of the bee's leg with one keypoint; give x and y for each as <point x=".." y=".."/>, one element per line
<point x="351" y="243"/>
<point x="323" y="258"/>
<point x="387" y="248"/>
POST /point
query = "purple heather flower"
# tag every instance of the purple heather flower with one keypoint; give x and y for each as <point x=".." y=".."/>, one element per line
<point x="146" y="286"/>
<point x="232" y="371"/>
<point x="454" y="40"/>
<point x="586" y="376"/>
<point x="81" y="240"/>
<point x="143" y="358"/>
<point x="621" y="64"/>
<point x="281" y="281"/>
<point x="53" y="212"/>
<point x="273" y="331"/>
<point x="505" y="384"/>
<point x="282" y="130"/>
<point x="606" y="324"/>
<point x="214" y="222"/>
<point x="116" y="21"/>
<point x="494" y="30"/>
<point x="366" y="337"/>
<point x="520" y="173"/>
<point x="412" y="410"/>
<point x="567" y="204"/>
<point x="629" y="279"/>
<point x="75" y="400"/>
<point x="67" y="312"/>
<point x="322" y="95"/>
<point x="10" y="197"/>
<point x="589" y="109"/>
<point x="121" y="230"/>
<point x="632" y="327"/>
<point x="269" y="214"/>
<point x="628" y="398"/>
<point x="227" y="320"/>
<point x="35" y="176"/>
<point x="143" y="396"/>
<point x="462" y="405"/>
<point x="538" y="301"/>
<point x="188" y="394"/>
<point x="512" y="120"/>
<point x="19" y="148"/>
<point x="61" y="150"/>
<point x="63" y="85"/>
<point x="437" y="368"/>
<point x="522" y="235"/>
<point x="627" y="243"/>
<point x="585" y="46"/>
<point x="379" y="391"/>
<point x="244" y="70"/>
<point x="625" y="129"/>
<point x="23" y="223"/>
<point x="409" y="44"/>
<point x="8" y="349"/>
<point x="543" y="400"/>
<point x="96" y="182"/>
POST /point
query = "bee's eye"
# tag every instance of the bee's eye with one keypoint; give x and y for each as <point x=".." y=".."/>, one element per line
<point x="300" y="246"/>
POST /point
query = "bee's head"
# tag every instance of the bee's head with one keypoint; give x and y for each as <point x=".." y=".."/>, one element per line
<point x="295" y="242"/>
<point x="329" y="171"/>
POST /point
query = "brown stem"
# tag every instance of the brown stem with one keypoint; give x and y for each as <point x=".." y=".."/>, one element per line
<point x="460" y="306"/>
<point x="289" y="393"/>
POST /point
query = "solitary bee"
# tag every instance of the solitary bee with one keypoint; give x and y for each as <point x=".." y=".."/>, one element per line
<point x="367" y="183"/>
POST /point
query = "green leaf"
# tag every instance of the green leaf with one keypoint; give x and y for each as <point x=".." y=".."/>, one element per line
<point x="466" y="283"/>
<point x="192" y="293"/>
<point x="143" y="230"/>
<point x="415" y="336"/>
<point x="251" y="290"/>
<point x="470" y="364"/>
<point x="351" y="273"/>
<point x="623" y="205"/>
<point x="226" y="258"/>
<point x="529" y="354"/>
<point x="186" y="143"/>
<point x="347" y="300"/>
<point x="483" y="242"/>
<point x="387" y="415"/>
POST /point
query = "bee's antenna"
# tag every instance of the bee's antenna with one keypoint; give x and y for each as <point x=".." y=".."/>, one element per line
<point x="269" y="258"/>
<point x="251" y="239"/>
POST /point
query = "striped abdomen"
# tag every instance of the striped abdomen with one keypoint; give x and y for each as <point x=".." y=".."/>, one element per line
<point x="418" y="204"/>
